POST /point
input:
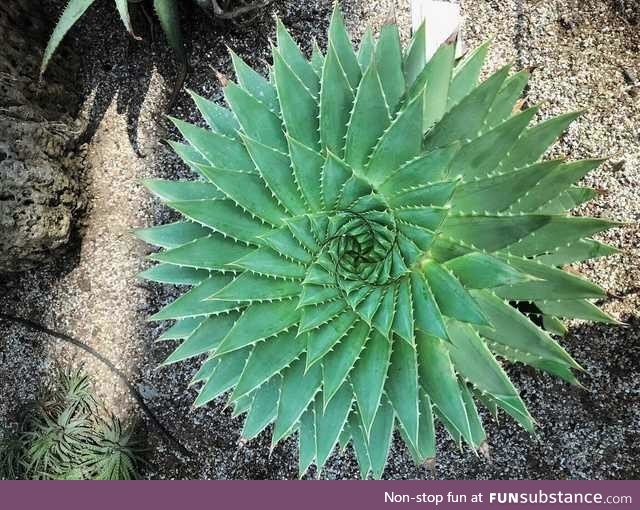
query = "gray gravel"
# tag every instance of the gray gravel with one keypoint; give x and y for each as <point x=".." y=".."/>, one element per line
<point x="586" y="56"/>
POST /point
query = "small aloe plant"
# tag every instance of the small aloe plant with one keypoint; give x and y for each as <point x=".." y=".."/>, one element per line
<point x="168" y="15"/>
<point x="64" y="436"/>
<point x="364" y="227"/>
<point x="166" y="10"/>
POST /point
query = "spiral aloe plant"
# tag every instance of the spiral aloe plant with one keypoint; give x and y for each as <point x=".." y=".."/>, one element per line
<point x="363" y="230"/>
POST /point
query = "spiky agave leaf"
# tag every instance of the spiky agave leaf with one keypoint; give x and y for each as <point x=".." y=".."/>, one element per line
<point x="362" y="226"/>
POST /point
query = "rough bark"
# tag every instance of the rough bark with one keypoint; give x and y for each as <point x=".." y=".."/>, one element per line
<point x="39" y="189"/>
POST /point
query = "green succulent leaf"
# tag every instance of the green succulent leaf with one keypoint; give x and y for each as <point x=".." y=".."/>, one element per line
<point x="169" y="17"/>
<point x="73" y="11"/>
<point x="330" y="422"/>
<point x="362" y="230"/>
<point x="465" y="77"/>
<point x="306" y="441"/>
<point x="123" y="11"/>
<point x="264" y="408"/>
<point x="255" y="84"/>
<point x="388" y="60"/>
<point x="415" y="57"/>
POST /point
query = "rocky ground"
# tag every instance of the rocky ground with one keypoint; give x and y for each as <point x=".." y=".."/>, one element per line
<point x="586" y="55"/>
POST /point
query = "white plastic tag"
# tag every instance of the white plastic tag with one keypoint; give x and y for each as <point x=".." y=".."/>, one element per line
<point x="443" y="20"/>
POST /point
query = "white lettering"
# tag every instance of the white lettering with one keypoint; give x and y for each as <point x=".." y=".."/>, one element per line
<point x="395" y="498"/>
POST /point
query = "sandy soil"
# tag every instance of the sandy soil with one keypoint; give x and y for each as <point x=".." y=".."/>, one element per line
<point x="587" y="56"/>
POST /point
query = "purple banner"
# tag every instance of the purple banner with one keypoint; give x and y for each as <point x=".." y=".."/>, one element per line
<point x="321" y="495"/>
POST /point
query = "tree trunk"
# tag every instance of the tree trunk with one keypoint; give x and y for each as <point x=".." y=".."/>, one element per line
<point x="39" y="190"/>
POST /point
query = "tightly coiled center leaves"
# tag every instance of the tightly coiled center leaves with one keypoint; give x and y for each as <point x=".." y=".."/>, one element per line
<point x="358" y="245"/>
<point x="361" y="225"/>
<point x="358" y="250"/>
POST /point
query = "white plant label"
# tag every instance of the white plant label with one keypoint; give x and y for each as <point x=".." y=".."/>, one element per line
<point x="443" y="20"/>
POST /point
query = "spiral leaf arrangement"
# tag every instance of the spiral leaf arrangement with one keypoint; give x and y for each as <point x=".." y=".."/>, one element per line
<point x="364" y="228"/>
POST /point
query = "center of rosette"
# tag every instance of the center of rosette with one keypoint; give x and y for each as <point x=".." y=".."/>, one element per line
<point x="359" y="246"/>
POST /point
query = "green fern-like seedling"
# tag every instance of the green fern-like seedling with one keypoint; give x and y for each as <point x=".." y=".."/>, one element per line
<point x="363" y="224"/>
